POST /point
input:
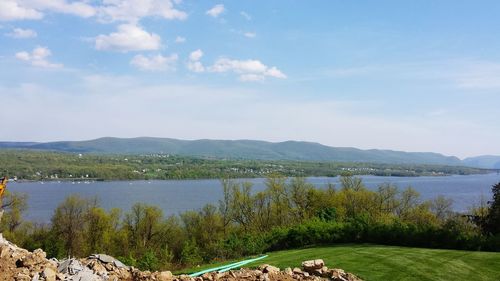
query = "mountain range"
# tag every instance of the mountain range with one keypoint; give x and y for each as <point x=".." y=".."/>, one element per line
<point x="252" y="149"/>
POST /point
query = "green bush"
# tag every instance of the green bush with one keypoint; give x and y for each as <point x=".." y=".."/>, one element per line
<point x="149" y="261"/>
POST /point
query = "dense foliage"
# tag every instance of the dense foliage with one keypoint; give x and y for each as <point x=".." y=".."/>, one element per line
<point x="39" y="165"/>
<point x="241" y="149"/>
<point x="288" y="214"/>
<point x="492" y="220"/>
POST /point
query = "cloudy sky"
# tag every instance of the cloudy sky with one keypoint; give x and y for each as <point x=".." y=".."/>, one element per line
<point x="403" y="75"/>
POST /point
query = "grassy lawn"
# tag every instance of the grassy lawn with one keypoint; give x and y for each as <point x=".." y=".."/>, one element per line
<point x="374" y="262"/>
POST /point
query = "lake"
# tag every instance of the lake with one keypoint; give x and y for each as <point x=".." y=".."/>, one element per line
<point x="175" y="196"/>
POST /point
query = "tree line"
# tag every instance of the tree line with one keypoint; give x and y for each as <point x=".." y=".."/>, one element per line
<point x="42" y="165"/>
<point x="288" y="213"/>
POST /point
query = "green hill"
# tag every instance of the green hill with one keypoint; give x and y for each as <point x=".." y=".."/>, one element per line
<point x="243" y="149"/>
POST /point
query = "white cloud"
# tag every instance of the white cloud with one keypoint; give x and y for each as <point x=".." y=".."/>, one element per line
<point x="34" y="9"/>
<point x="239" y="66"/>
<point x="38" y="57"/>
<point x="275" y="72"/>
<point x="77" y="8"/>
<point x="249" y="70"/>
<point x="246" y="15"/>
<point x="134" y="10"/>
<point x="22" y="33"/>
<point x="105" y="10"/>
<point x="194" y="63"/>
<point x="12" y="10"/>
<point x="195" y="66"/>
<point x="180" y="39"/>
<point x="216" y="10"/>
<point x="196" y="55"/>
<point x="250" y="34"/>
<point x="129" y="37"/>
<point x="154" y="62"/>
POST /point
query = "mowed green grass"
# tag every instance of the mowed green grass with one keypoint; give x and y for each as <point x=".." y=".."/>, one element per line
<point x="375" y="262"/>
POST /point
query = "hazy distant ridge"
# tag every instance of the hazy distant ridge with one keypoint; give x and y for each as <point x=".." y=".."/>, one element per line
<point x="485" y="161"/>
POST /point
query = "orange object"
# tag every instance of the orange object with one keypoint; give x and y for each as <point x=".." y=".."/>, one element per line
<point x="3" y="185"/>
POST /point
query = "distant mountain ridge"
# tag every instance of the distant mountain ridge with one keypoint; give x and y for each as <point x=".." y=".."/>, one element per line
<point x="484" y="161"/>
<point x="246" y="149"/>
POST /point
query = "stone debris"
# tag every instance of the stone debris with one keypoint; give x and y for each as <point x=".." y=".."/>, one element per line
<point x="18" y="264"/>
<point x="313" y="265"/>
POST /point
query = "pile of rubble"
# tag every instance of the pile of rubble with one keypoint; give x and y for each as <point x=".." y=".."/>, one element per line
<point x="21" y="265"/>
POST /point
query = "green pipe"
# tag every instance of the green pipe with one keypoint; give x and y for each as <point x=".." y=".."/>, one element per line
<point x="226" y="267"/>
<point x="242" y="263"/>
<point x="211" y="269"/>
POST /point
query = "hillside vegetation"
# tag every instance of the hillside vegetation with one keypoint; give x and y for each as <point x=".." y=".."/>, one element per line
<point x="45" y="165"/>
<point x="240" y="149"/>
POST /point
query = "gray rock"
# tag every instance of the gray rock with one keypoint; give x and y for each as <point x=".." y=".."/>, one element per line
<point x="75" y="267"/>
<point x="70" y="266"/>
<point x="271" y="269"/>
<point x="119" y="264"/>
<point x="105" y="258"/>
<point x="313" y="265"/>
<point x="165" y="276"/>
<point x="86" y="275"/>
<point x="63" y="266"/>
<point x="49" y="274"/>
<point x="297" y="270"/>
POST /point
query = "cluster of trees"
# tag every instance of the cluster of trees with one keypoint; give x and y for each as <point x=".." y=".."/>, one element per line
<point x="288" y="213"/>
<point x="40" y="165"/>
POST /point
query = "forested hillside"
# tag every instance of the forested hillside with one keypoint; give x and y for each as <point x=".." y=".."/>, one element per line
<point x="240" y="149"/>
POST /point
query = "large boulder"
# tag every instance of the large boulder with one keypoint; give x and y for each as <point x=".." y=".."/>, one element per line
<point x="313" y="265"/>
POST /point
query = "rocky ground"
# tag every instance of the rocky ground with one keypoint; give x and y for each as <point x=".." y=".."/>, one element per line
<point x="21" y="265"/>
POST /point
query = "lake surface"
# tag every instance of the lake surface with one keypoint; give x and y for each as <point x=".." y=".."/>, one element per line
<point x="175" y="196"/>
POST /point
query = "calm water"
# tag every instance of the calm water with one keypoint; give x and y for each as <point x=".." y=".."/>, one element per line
<point x="177" y="196"/>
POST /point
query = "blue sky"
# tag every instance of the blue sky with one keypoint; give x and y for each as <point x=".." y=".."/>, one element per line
<point x="402" y="75"/>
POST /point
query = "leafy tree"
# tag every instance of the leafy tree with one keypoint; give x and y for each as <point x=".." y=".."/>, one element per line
<point x="493" y="217"/>
<point x="327" y="214"/>
<point x="225" y="203"/>
<point x="100" y="227"/>
<point x="149" y="261"/>
<point x="408" y="201"/>
<point x="242" y="205"/>
<point x="14" y="204"/>
<point x="349" y="182"/>
<point x="278" y="196"/>
<point x="442" y="207"/>
<point x="263" y="212"/>
<point x="143" y="224"/>
<point x="298" y="191"/>
<point x="68" y="223"/>
<point x="190" y="253"/>
<point x="387" y="198"/>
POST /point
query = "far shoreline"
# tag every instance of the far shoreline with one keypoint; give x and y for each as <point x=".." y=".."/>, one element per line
<point x="90" y="180"/>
